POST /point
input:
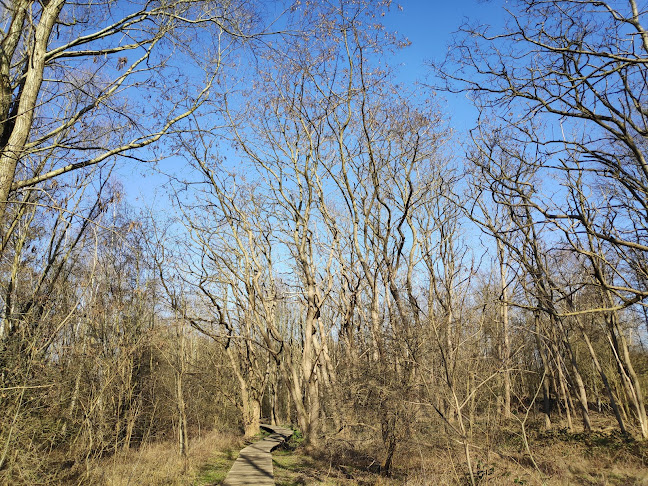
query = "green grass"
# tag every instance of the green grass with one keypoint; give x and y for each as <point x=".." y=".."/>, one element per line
<point x="214" y="471"/>
<point x="292" y="468"/>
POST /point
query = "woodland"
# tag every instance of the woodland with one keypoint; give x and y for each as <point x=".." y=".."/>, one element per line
<point x="422" y="306"/>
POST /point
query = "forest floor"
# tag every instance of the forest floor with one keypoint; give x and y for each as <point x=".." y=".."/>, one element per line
<point x="557" y="457"/>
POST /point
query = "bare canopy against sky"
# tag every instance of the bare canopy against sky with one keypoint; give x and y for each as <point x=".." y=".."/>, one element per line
<point x="428" y="25"/>
<point x="419" y="233"/>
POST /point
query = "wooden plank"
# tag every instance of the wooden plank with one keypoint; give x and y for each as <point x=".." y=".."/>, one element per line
<point x="254" y="463"/>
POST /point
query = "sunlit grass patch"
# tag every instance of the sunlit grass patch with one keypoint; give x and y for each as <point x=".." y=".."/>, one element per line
<point x="208" y="461"/>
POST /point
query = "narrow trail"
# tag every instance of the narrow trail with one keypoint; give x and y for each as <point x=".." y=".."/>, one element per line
<point x="254" y="463"/>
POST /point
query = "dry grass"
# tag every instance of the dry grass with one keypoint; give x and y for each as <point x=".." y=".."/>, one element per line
<point x="208" y="461"/>
<point x="293" y="468"/>
<point x="557" y="458"/>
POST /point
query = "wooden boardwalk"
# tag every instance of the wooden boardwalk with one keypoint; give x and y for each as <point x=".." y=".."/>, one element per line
<point x="254" y="463"/>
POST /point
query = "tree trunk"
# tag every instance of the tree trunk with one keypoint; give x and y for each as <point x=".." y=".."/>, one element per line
<point x="251" y="416"/>
<point x="183" y="435"/>
<point x="546" y="373"/>
<point x="22" y="123"/>
<point x="603" y="376"/>
<point x="506" y="345"/>
<point x="628" y="375"/>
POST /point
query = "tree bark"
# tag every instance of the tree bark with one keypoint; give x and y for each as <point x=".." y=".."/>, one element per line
<point x="11" y="153"/>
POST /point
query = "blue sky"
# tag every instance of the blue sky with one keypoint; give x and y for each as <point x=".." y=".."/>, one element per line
<point x="428" y="24"/>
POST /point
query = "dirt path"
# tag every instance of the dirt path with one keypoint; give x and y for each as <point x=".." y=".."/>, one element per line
<point x="254" y="463"/>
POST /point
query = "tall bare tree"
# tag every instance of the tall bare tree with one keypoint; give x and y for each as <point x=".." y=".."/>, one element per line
<point x="566" y="80"/>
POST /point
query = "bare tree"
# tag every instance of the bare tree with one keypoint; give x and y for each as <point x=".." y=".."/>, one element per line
<point x="567" y="80"/>
<point x="76" y="94"/>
